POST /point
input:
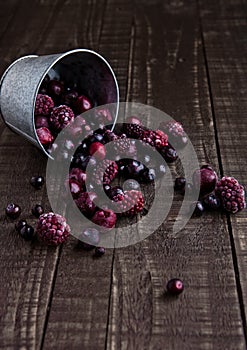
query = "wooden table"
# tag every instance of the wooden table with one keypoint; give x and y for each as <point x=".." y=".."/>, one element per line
<point x="188" y="59"/>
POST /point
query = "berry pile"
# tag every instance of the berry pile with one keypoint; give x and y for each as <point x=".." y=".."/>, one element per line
<point x="57" y="105"/>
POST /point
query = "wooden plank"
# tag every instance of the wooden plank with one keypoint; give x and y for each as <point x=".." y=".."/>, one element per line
<point x="79" y="308"/>
<point x="27" y="270"/>
<point x="223" y="9"/>
<point x="225" y="43"/>
<point x="167" y="70"/>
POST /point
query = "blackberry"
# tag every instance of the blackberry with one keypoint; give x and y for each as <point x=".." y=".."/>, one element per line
<point x="61" y="116"/>
<point x="231" y="194"/>
<point x="43" y="105"/>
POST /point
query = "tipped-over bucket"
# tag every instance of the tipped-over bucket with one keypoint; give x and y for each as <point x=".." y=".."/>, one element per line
<point x="21" y="81"/>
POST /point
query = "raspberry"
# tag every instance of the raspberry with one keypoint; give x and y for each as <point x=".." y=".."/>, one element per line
<point x="157" y="139"/>
<point x="175" y="133"/>
<point x="52" y="229"/>
<point x="45" y="136"/>
<point x="85" y="203"/>
<point x="44" y="104"/>
<point x="106" y="170"/>
<point x="61" y="116"/>
<point x="105" y="218"/>
<point x="41" y="121"/>
<point x="131" y="204"/>
<point x="231" y="194"/>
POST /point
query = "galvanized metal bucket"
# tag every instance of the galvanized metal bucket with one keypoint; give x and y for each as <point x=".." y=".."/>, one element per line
<point x="21" y="81"/>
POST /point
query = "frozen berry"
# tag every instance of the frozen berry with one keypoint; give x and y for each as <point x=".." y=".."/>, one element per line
<point x="52" y="229"/>
<point x="132" y="168"/>
<point x="103" y="116"/>
<point x="99" y="251"/>
<point x="198" y="208"/>
<point x="13" y="210"/>
<point x="211" y="202"/>
<point x="157" y="139"/>
<point x="131" y="204"/>
<point x="61" y="116"/>
<point x="41" y="121"/>
<point x="116" y="193"/>
<point x="105" y="218"/>
<point x="98" y="150"/>
<point x="82" y="104"/>
<point x="104" y="172"/>
<point x="37" y="182"/>
<point x="70" y="98"/>
<point x="169" y="153"/>
<point x="55" y="88"/>
<point x="131" y="184"/>
<point x="205" y="179"/>
<point x="43" y="105"/>
<point x="37" y="210"/>
<point x="133" y="130"/>
<point x="27" y="232"/>
<point x="231" y="194"/>
<point x="175" y="133"/>
<point x="45" y="136"/>
<point x="148" y="175"/>
<point x="180" y="184"/>
<point x="86" y="204"/>
<point x="175" y="286"/>
<point x="90" y="236"/>
<point x="20" y="224"/>
<point x="133" y="120"/>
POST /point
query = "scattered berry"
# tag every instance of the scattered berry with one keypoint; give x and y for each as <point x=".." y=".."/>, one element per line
<point x="175" y="286"/>
<point x="205" y="179"/>
<point x="105" y="172"/>
<point x="105" y="218"/>
<point x="179" y="185"/>
<point x="13" y="210"/>
<point x="133" y="120"/>
<point x="133" y="130"/>
<point x="175" y="133"/>
<point x="61" y="116"/>
<point x="45" y="136"/>
<point x="231" y="194"/>
<point x="20" y="224"/>
<point x="37" y="210"/>
<point x="70" y="98"/>
<point x="37" y="182"/>
<point x="99" y="251"/>
<point x="43" y="105"/>
<point x="169" y="153"/>
<point x="27" y="232"/>
<point x="199" y="208"/>
<point x="97" y="149"/>
<point x="85" y="202"/>
<point x="131" y="204"/>
<point x="90" y="236"/>
<point x="211" y="202"/>
<point x="115" y="193"/>
<point x="52" y="229"/>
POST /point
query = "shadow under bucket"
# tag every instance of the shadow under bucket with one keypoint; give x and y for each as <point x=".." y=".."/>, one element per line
<point x="21" y="81"/>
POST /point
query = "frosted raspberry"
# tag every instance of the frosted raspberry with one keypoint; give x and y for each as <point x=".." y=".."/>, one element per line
<point x="61" y="116"/>
<point x="44" y="105"/>
<point x="231" y="194"/>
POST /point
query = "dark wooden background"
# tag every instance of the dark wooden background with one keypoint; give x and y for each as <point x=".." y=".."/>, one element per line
<point x="188" y="58"/>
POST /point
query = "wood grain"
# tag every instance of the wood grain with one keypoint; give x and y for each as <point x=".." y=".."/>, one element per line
<point x="168" y="71"/>
<point x="79" y="309"/>
<point x="225" y="44"/>
<point x="223" y="9"/>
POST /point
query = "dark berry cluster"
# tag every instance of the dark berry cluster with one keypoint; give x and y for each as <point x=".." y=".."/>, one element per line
<point x="214" y="194"/>
<point x="57" y="105"/>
